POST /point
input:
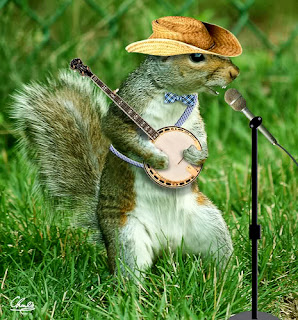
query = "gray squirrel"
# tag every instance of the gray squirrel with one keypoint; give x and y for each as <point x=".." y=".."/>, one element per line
<point x="67" y="126"/>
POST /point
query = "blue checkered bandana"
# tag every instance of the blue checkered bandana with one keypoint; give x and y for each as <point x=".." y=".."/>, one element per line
<point x="189" y="100"/>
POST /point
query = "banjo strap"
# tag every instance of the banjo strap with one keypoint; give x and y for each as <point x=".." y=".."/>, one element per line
<point x="189" y="100"/>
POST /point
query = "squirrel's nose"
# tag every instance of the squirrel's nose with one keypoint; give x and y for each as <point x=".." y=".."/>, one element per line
<point x="233" y="71"/>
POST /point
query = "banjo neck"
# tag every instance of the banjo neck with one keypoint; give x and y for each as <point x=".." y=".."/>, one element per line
<point x="171" y="140"/>
<point x="77" y="64"/>
<point x="128" y="110"/>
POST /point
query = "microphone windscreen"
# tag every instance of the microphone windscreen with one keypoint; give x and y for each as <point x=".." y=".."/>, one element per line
<point x="234" y="99"/>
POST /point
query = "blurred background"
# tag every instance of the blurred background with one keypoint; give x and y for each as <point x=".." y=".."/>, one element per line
<point x="38" y="38"/>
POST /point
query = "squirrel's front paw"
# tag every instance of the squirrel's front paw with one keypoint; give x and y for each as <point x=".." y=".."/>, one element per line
<point x="158" y="160"/>
<point x="195" y="156"/>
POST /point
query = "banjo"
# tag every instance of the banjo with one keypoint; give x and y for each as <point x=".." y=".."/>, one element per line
<point x="171" y="140"/>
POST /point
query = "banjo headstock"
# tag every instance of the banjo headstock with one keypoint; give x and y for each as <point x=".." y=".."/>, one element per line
<point x="77" y="65"/>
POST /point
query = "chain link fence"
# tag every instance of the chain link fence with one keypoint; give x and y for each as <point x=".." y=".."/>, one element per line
<point x="38" y="37"/>
<point x="110" y="20"/>
<point x="245" y="21"/>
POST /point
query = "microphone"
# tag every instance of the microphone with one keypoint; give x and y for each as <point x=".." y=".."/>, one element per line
<point x="235" y="100"/>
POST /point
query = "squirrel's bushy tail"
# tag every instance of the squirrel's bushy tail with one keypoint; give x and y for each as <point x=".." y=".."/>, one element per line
<point x="59" y="128"/>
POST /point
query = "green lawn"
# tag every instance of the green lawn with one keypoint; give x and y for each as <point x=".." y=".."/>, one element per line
<point x="62" y="271"/>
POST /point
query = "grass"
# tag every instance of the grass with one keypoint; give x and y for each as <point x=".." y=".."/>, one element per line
<point x="45" y="261"/>
<point x="56" y="266"/>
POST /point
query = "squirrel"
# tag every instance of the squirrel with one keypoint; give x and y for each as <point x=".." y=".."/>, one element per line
<point x="67" y="126"/>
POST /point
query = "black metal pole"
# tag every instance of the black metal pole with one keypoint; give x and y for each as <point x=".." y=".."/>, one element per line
<point x="254" y="231"/>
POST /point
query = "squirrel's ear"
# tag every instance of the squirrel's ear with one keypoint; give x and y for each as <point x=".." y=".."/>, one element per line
<point x="164" y="58"/>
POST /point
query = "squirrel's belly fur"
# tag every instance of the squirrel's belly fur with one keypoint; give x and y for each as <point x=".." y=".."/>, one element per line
<point x="167" y="216"/>
<point x="162" y="217"/>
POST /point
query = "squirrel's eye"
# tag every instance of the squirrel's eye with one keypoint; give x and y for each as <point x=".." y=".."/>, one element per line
<point x="196" y="57"/>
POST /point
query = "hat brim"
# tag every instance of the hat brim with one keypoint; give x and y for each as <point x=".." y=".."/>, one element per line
<point x="225" y="44"/>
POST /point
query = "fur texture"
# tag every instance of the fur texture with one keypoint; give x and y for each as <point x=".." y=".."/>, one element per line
<point x="67" y="126"/>
<point x="59" y="128"/>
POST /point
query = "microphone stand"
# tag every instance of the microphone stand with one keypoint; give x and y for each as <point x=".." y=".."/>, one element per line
<point x="254" y="231"/>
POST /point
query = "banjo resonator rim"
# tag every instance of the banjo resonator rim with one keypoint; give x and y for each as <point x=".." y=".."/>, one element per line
<point x="193" y="170"/>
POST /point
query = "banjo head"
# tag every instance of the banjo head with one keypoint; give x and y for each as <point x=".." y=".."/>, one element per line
<point x="173" y="141"/>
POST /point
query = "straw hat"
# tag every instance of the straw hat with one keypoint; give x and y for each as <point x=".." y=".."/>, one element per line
<point x="184" y="35"/>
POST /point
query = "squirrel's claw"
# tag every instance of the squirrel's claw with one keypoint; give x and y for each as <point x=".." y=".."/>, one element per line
<point x="159" y="161"/>
<point x="195" y="156"/>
